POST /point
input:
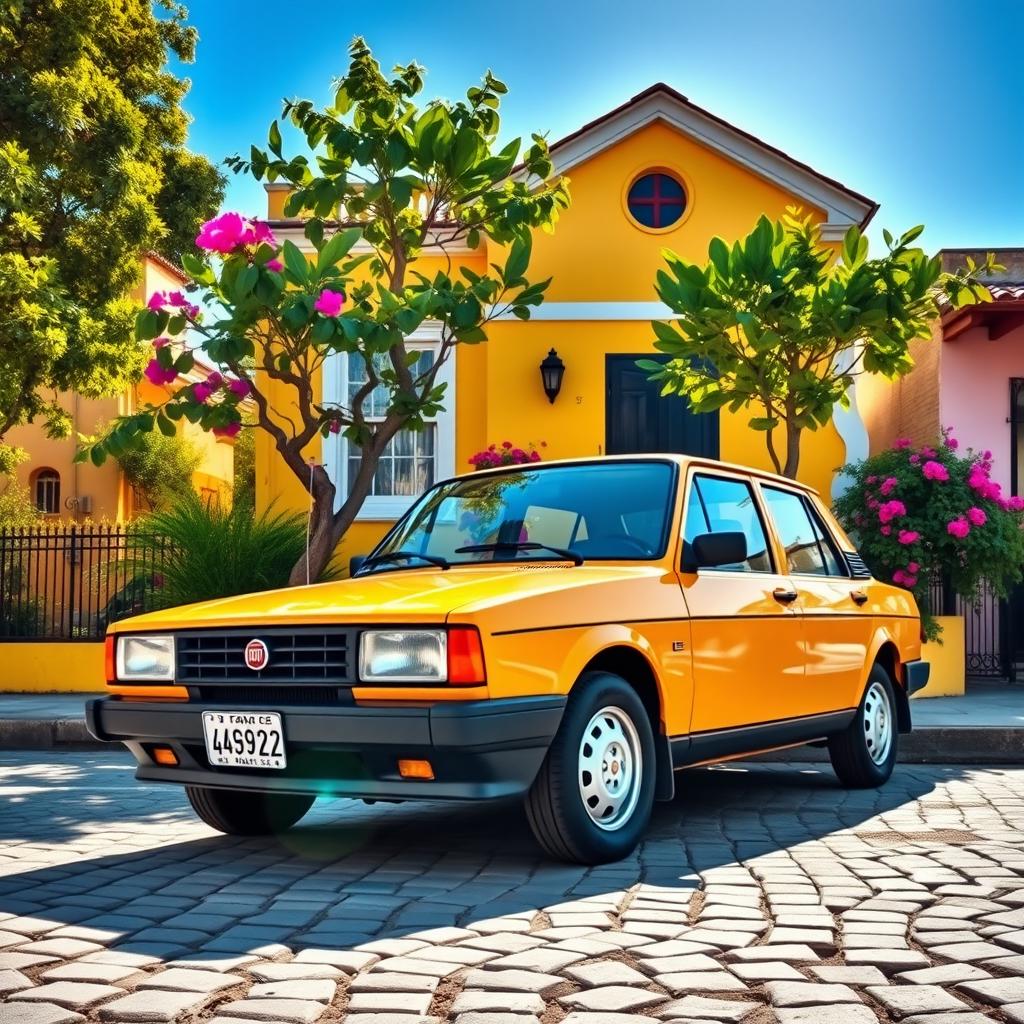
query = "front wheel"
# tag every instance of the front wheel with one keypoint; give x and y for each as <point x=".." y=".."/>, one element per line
<point x="591" y="800"/>
<point x="248" y="814"/>
<point x="864" y="754"/>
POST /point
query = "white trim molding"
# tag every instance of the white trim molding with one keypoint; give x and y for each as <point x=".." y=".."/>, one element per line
<point x="335" y="447"/>
<point x="597" y="311"/>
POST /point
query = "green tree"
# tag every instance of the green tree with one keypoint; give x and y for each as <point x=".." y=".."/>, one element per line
<point x="159" y="468"/>
<point x="407" y="175"/>
<point x="777" y="322"/>
<point x="243" y="487"/>
<point x="93" y="172"/>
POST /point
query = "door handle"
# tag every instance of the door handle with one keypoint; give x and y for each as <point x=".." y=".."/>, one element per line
<point x="858" y="597"/>
<point x="784" y="596"/>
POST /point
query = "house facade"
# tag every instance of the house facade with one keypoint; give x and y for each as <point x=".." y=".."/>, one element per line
<point x="65" y="491"/>
<point x="656" y="172"/>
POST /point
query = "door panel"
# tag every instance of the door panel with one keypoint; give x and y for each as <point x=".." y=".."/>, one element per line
<point x="638" y="419"/>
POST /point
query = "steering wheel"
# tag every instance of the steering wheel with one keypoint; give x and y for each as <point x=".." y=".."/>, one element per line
<point x="610" y="539"/>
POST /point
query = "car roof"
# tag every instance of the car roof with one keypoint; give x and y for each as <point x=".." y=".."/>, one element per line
<point x="680" y="460"/>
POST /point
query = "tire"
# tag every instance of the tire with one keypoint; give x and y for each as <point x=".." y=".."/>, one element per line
<point x="864" y="754"/>
<point x="620" y="788"/>
<point x="248" y="814"/>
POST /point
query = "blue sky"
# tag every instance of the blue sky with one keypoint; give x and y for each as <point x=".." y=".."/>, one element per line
<point x="915" y="103"/>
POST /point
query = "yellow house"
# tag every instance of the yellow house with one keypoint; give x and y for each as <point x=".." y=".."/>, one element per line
<point x="62" y="489"/>
<point x="656" y="172"/>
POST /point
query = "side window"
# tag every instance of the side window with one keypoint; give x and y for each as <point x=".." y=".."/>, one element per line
<point x="717" y="505"/>
<point x="833" y="560"/>
<point x="807" y="551"/>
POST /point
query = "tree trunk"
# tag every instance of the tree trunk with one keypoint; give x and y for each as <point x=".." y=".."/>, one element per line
<point x="792" y="452"/>
<point x="320" y="547"/>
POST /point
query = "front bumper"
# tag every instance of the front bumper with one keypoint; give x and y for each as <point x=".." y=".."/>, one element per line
<point x="478" y="749"/>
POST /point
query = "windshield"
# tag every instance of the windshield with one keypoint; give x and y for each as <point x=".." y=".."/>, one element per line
<point x="612" y="510"/>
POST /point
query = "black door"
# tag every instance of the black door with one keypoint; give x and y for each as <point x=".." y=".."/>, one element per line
<point x="638" y="419"/>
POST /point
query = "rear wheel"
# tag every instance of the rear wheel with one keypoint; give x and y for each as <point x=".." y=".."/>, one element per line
<point x="248" y="814"/>
<point x="864" y="754"/>
<point x="591" y="800"/>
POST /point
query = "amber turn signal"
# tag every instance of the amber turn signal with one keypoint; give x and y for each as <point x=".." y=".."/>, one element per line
<point x="465" y="657"/>
<point x="165" y="756"/>
<point x="415" y="770"/>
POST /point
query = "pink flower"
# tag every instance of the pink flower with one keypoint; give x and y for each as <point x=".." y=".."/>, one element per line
<point x="871" y="480"/>
<point x="909" y="581"/>
<point x="891" y="510"/>
<point x="977" y="516"/>
<point x="935" y="471"/>
<point x="229" y="431"/>
<point x="202" y="391"/>
<point x="915" y="459"/>
<point x="506" y="444"/>
<point x="888" y="485"/>
<point x="899" y="577"/>
<point x="908" y="536"/>
<point x="156" y="374"/>
<point x="952" y="443"/>
<point x="958" y="528"/>
<point x="224" y="234"/>
<point x="157" y="301"/>
<point x="885" y="530"/>
<point x="329" y="303"/>
<point x="929" y="453"/>
<point x="535" y="456"/>
<point x="240" y="388"/>
<point x="1015" y="504"/>
<point x="873" y="503"/>
<point x="335" y="427"/>
<point x="276" y="265"/>
<point x="161" y="342"/>
<point x="215" y="380"/>
<point x="986" y="456"/>
<point x="912" y="567"/>
<point x="178" y="301"/>
<point x="902" y="442"/>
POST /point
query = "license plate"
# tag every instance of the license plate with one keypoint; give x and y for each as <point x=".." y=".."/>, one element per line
<point x="244" y="739"/>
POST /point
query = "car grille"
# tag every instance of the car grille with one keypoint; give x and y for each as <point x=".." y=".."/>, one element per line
<point x="295" y="656"/>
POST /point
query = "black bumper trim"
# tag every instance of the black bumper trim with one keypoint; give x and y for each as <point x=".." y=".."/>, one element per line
<point x="916" y="674"/>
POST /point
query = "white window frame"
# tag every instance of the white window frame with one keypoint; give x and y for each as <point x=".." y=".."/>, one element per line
<point x="335" y="446"/>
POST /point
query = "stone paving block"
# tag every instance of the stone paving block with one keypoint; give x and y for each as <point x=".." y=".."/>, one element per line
<point x="100" y="974"/>
<point x="704" y="1008"/>
<point x="19" y="961"/>
<point x="888" y="961"/>
<point x="320" y="990"/>
<point x="13" y="981"/>
<point x="969" y="952"/>
<point x="1006" y="964"/>
<point x="541" y="959"/>
<point x="39" y="1013"/>
<point x="691" y="962"/>
<point x="787" y="954"/>
<point x="150" y="1005"/>
<point x="683" y="983"/>
<point x="756" y="973"/>
<point x="209" y="960"/>
<point x="809" y="993"/>
<point x="494" y="1017"/>
<point x="389" y="1002"/>
<point x="1013" y="1012"/>
<point x="906" y="1000"/>
<point x="994" y="991"/>
<point x="273" y="1011"/>
<point x="464" y="956"/>
<point x="944" y="974"/>
<point x="181" y="979"/>
<point x="843" y="974"/>
<point x="480" y="1001"/>
<point x="382" y="1018"/>
<point x="348" y="960"/>
<point x="513" y="980"/>
<point x="968" y="1017"/>
<point x="671" y="947"/>
<point x="591" y="1017"/>
<point x="839" y="1013"/>
<point x="613" y="998"/>
<point x="72" y="995"/>
<point x="61" y="948"/>
<point x="384" y="981"/>
<point x="606" y="972"/>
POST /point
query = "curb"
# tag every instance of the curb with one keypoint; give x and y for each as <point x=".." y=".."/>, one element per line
<point x="927" y="745"/>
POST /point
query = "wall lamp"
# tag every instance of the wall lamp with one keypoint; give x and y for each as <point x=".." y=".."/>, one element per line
<point x="552" y="370"/>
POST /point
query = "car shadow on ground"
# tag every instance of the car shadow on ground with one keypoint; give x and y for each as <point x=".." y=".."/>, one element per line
<point x="351" y="873"/>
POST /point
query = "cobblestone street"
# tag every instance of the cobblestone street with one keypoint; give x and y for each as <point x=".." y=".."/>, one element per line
<point x="763" y="892"/>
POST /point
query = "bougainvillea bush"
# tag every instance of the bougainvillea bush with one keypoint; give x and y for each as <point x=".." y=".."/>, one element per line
<point x="923" y="515"/>
<point x="506" y="454"/>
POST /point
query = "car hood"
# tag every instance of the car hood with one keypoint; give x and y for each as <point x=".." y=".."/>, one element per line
<point x="412" y="595"/>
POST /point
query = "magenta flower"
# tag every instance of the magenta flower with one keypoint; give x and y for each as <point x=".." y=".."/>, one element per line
<point x="952" y="443"/>
<point x="986" y="456"/>
<point x="958" y="528"/>
<point x="977" y="516"/>
<point x="535" y="456"/>
<point x="276" y="265"/>
<point x="902" y="442"/>
<point x="871" y="480"/>
<point x="329" y="303"/>
<point x="215" y="380"/>
<point x="888" y="485"/>
<point x="202" y="391"/>
<point x="229" y="431"/>
<point x="240" y="388"/>
<point x="161" y="342"/>
<point x="886" y="530"/>
<point x="178" y="301"/>
<point x="1015" y="503"/>
<point x="915" y="459"/>
<point x="909" y="580"/>
<point x="891" y="510"/>
<point x="929" y="453"/>
<point x="912" y="567"/>
<point x="899" y="577"/>
<point x="935" y="471"/>
<point x="335" y="427"/>
<point x="908" y="536"/>
<point x="156" y="374"/>
<point x="229" y="231"/>
<point x="157" y="301"/>
<point x="873" y="503"/>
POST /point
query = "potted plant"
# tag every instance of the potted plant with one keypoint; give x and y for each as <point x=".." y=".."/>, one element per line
<point x="929" y="517"/>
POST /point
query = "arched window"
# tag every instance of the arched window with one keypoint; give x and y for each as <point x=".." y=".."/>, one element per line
<point x="46" y="491"/>
<point x="656" y="200"/>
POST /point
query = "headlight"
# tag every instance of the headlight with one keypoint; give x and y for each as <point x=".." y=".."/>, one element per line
<point x="406" y="656"/>
<point x="145" y="659"/>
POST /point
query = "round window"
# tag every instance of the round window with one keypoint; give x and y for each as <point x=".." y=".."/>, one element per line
<point x="656" y="200"/>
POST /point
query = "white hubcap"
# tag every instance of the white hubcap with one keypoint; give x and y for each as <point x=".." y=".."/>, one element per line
<point x="610" y="768"/>
<point x="877" y="723"/>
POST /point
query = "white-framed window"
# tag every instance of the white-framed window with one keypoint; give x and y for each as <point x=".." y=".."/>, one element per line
<point x="414" y="459"/>
<point x="47" y="491"/>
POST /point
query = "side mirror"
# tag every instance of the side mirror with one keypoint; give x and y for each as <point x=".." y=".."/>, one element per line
<point x="710" y="550"/>
<point x="355" y="563"/>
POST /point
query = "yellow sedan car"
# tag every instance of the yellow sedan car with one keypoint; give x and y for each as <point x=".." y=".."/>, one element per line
<point x="571" y="633"/>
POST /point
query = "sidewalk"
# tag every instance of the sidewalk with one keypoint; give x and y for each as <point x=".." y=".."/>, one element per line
<point x="984" y="727"/>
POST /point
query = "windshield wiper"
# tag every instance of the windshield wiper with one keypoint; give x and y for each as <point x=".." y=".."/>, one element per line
<point x="404" y="556"/>
<point x="522" y="545"/>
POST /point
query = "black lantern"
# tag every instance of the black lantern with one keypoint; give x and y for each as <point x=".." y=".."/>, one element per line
<point x="552" y="370"/>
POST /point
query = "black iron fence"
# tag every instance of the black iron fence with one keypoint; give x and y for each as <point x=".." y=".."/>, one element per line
<point x="70" y="582"/>
<point x="989" y="634"/>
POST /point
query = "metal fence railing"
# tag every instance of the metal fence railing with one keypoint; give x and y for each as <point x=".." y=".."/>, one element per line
<point x="987" y="632"/>
<point x="70" y="582"/>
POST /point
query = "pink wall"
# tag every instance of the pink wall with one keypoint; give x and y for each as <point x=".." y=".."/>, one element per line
<point x="974" y="395"/>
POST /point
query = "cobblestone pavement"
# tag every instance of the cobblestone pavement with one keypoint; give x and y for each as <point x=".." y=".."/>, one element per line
<point x="762" y="893"/>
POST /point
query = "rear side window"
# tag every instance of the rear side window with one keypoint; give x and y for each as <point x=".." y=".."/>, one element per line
<point x="809" y="550"/>
<point x="718" y="505"/>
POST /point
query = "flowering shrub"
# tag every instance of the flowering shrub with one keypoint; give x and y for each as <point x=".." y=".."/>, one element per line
<point x="506" y="454"/>
<point x="930" y="514"/>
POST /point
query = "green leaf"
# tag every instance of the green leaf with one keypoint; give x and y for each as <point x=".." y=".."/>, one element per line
<point x="295" y="262"/>
<point x="719" y="253"/>
<point x="147" y="325"/>
<point x="274" y="138"/>
<point x="165" y="426"/>
<point x="518" y="259"/>
<point x="338" y="247"/>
